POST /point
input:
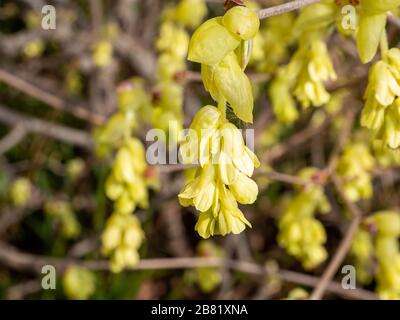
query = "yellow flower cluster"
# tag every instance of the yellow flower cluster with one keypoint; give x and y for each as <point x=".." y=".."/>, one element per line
<point x="222" y="46"/>
<point x="78" y="283"/>
<point x="384" y="156"/>
<point x="270" y="45"/>
<point x="208" y="278"/>
<point x="133" y="106"/>
<point x="20" y="192"/>
<point x="300" y="233"/>
<point x="63" y="212"/>
<point x="356" y="175"/>
<point x="316" y="68"/>
<point x="121" y="240"/>
<point x="309" y="68"/>
<point x="172" y="45"/>
<point x="222" y="179"/>
<point x="382" y="106"/>
<point x="102" y="53"/>
<point x="362" y="250"/>
<point x="386" y="226"/>
<point x="127" y="185"/>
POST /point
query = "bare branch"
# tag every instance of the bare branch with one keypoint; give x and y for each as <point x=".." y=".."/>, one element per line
<point x="69" y="135"/>
<point x="284" y="8"/>
<point x="344" y="246"/>
<point x="49" y="98"/>
<point x="12" y="138"/>
<point x="14" y="259"/>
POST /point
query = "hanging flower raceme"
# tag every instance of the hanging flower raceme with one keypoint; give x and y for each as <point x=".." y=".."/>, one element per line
<point x="222" y="46"/>
<point x="172" y="45"/>
<point x="356" y="175"/>
<point x="300" y="233"/>
<point x="126" y="185"/>
<point x="309" y="68"/>
<point x="207" y="278"/>
<point x="362" y="251"/>
<point x="130" y="177"/>
<point x="133" y="106"/>
<point x="78" y="283"/>
<point x="121" y="240"/>
<point x="381" y="112"/>
<point x="223" y="178"/>
<point x="386" y="227"/>
<point x="317" y="68"/>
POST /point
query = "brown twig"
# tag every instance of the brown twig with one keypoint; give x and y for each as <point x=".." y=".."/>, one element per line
<point x="14" y="259"/>
<point x="49" y="98"/>
<point x="69" y="135"/>
<point x="12" y="138"/>
<point x="344" y="245"/>
<point x="284" y="8"/>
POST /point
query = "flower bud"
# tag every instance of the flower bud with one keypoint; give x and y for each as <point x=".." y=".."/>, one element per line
<point x="242" y="22"/>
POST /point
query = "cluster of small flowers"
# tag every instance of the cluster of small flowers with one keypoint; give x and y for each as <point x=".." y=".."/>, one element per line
<point x="64" y="214"/>
<point x="309" y="68"/>
<point x="381" y="112"/>
<point x="300" y="233"/>
<point x="207" y="278"/>
<point x="78" y="283"/>
<point x="222" y="46"/>
<point x="172" y="45"/>
<point x="379" y="240"/>
<point x="371" y="26"/>
<point x="130" y="177"/>
<point x="356" y="175"/>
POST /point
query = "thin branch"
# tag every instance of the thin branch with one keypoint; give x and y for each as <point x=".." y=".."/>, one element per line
<point x="23" y="289"/>
<point x="284" y="8"/>
<point x="69" y="135"/>
<point x="295" y="141"/>
<point x="282" y="177"/>
<point x="344" y="246"/>
<point x="49" y="98"/>
<point x="17" y="260"/>
<point x="12" y="138"/>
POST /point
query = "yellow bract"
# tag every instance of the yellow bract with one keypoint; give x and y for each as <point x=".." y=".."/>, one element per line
<point x="222" y="46"/>
<point x="369" y="35"/>
<point x="211" y="42"/>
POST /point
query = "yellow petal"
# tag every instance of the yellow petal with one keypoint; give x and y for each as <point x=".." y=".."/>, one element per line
<point x="244" y="189"/>
<point x="235" y="87"/>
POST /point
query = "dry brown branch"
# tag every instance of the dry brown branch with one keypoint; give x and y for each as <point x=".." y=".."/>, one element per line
<point x="344" y="245"/>
<point x="62" y="133"/>
<point x="284" y="8"/>
<point x="14" y="259"/>
<point x="12" y="138"/>
<point x="49" y="98"/>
